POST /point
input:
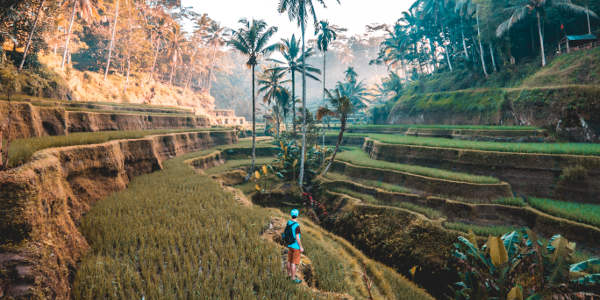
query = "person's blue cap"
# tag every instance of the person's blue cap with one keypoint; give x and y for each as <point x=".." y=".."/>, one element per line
<point x="294" y="212"/>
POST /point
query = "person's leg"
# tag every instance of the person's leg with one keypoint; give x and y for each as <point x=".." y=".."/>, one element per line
<point x="293" y="271"/>
<point x="288" y="269"/>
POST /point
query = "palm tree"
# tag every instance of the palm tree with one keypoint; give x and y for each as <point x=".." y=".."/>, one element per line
<point x="37" y="16"/>
<point x="112" y="39"/>
<point x="215" y="36"/>
<point x="468" y="7"/>
<point x="342" y="107"/>
<point x="290" y="50"/>
<point x="271" y="85"/>
<point x="251" y="40"/>
<point x="301" y="10"/>
<point x="524" y="7"/>
<point x="87" y="11"/>
<point x="176" y="42"/>
<point x="325" y="35"/>
<point x="350" y="74"/>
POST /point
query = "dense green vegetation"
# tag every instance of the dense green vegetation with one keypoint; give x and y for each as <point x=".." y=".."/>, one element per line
<point x="545" y="148"/>
<point x="580" y="212"/>
<point x="21" y="150"/>
<point x="201" y="244"/>
<point x="515" y="201"/>
<point x="440" y="126"/>
<point x="360" y="158"/>
<point x="480" y="230"/>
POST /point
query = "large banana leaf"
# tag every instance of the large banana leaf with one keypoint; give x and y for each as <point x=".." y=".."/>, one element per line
<point x="511" y="243"/>
<point x="498" y="252"/>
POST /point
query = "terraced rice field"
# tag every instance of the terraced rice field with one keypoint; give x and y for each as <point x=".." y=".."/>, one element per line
<point x="544" y="148"/>
<point x="427" y="211"/>
<point x="21" y="150"/>
<point x="580" y="212"/>
<point x="358" y="157"/>
<point x="175" y="234"/>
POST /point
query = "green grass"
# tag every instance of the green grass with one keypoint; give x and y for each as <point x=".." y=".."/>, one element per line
<point x="174" y="234"/>
<point x="21" y="150"/>
<point x="545" y="148"/>
<point x="237" y="164"/>
<point x="510" y="201"/>
<point x="496" y="230"/>
<point x="442" y="126"/>
<point x="429" y="212"/>
<point x="372" y="183"/>
<point x="359" y="157"/>
<point x="580" y="212"/>
<point x="330" y="270"/>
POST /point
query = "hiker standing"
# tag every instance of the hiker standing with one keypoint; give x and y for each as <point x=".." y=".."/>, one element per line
<point x="291" y="238"/>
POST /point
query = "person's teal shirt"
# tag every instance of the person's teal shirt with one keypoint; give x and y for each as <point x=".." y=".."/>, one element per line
<point x="296" y="231"/>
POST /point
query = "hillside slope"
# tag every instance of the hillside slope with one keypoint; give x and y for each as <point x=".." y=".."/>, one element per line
<point x="562" y="97"/>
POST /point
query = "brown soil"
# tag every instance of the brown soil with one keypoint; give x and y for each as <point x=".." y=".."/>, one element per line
<point x="42" y="201"/>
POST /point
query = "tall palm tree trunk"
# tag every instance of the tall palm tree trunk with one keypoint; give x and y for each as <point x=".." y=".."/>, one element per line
<point x="464" y="42"/>
<point x="294" y="101"/>
<point x="37" y="16"/>
<point x="481" y="46"/>
<point x="448" y="58"/>
<point x="337" y="145"/>
<point x="492" y="55"/>
<point x="253" y="123"/>
<point x="208" y="83"/>
<point x="151" y="75"/>
<point x="588" y="19"/>
<point x="173" y="68"/>
<point x="64" y="59"/>
<point x="542" y="52"/>
<point x="112" y="39"/>
<point x="302" y="159"/>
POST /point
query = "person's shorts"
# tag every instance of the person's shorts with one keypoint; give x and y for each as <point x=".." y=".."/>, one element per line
<point x="294" y="256"/>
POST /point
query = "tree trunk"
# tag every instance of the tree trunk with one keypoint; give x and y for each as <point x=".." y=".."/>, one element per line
<point x="112" y="39"/>
<point x="588" y="19"/>
<point x="448" y="58"/>
<point x="127" y="76"/>
<point x="155" y="58"/>
<point x="541" y="39"/>
<point x="324" y="87"/>
<point x="481" y="47"/>
<point x="493" y="59"/>
<point x="210" y="70"/>
<point x="302" y="159"/>
<point x="4" y="150"/>
<point x="173" y="68"/>
<point x="294" y="102"/>
<point x="278" y="123"/>
<point x="337" y="145"/>
<point x="64" y="59"/>
<point x="253" y="124"/>
<point x="464" y="42"/>
<point x="37" y="16"/>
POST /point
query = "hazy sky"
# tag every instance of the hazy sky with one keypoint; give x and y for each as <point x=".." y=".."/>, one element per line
<point x="351" y="14"/>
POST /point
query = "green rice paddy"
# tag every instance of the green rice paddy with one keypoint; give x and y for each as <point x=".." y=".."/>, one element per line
<point x="358" y="157"/>
<point x="543" y="148"/>
<point x="580" y="212"/>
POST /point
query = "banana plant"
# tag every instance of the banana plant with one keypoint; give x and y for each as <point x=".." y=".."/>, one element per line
<point x="519" y="266"/>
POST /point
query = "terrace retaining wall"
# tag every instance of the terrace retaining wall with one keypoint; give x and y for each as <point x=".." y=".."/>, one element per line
<point x="487" y="214"/>
<point x="530" y="174"/>
<point x="28" y="121"/>
<point x="42" y="202"/>
<point x="437" y="186"/>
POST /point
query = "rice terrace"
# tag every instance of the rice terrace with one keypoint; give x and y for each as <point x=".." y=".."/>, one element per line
<point x="300" y="149"/>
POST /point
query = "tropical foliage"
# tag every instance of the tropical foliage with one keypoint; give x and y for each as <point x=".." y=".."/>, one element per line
<point x="518" y="265"/>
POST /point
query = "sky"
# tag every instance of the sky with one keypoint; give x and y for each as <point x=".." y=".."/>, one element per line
<point x="351" y="14"/>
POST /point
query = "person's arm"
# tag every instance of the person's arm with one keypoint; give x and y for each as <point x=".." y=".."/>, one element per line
<point x="299" y="242"/>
